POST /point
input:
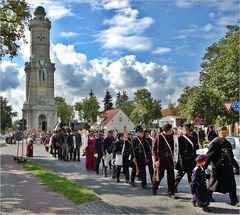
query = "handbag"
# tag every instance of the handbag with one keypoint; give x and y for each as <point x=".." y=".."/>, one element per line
<point x="119" y="157"/>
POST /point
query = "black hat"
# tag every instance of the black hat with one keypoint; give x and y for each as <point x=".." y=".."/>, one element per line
<point x="200" y="158"/>
<point x="139" y="128"/>
<point x="223" y="128"/>
<point x="188" y="127"/>
<point x="167" y="127"/>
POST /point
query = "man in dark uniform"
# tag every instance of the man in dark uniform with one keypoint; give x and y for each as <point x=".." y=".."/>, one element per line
<point x="187" y="154"/>
<point x="123" y="146"/>
<point x="69" y="144"/>
<point x="163" y="150"/>
<point x="139" y="158"/>
<point x="147" y="142"/>
<point x="108" y="144"/>
<point x="221" y="155"/>
<point x="98" y="151"/>
<point x="61" y="142"/>
<point x="77" y="143"/>
<point x="55" y="142"/>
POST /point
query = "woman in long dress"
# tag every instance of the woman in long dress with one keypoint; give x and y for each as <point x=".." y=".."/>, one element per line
<point x="90" y="159"/>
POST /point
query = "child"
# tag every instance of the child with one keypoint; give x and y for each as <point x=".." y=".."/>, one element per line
<point x="198" y="185"/>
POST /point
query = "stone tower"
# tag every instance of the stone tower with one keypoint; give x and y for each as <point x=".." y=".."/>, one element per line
<point x="39" y="109"/>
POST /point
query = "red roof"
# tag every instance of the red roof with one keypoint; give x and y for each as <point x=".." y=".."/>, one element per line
<point x="165" y="112"/>
<point x="108" y="115"/>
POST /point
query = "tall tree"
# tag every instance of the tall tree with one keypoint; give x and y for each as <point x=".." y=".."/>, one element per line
<point x="89" y="106"/>
<point x="6" y="114"/>
<point x="65" y="111"/>
<point x="121" y="99"/>
<point x="146" y="108"/>
<point x="15" y="15"/>
<point x="91" y="94"/>
<point x="173" y="109"/>
<point x="118" y="100"/>
<point x="219" y="82"/>
<point x="108" y="104"/>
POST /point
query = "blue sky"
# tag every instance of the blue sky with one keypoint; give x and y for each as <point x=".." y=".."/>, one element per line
<point x="124" y="45"/>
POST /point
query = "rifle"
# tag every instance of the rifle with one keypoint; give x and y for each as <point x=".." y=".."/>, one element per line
<point x="135" y="160"/>
<point x="156" y="176"/>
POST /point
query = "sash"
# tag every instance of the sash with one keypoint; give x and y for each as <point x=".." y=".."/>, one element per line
<point x="188" y="140"/>
<point x="176" y="149"/>
<point x="143" y="148"/>
<point x="74" y="141"/>
<point x="167" y="145"/>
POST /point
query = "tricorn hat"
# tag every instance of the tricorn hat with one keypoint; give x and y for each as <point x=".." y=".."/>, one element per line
<point x="222" y="128"/>
<point x="188" y="126"/>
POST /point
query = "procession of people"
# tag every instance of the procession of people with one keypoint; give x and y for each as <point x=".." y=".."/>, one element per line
<point x="170" y="149"/>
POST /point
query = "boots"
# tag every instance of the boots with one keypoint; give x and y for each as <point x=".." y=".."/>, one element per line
<point x="114" y="172"/>
<point x="105" y="171"/>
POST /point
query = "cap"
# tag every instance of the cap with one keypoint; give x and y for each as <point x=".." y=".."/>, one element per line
<point x="223" y="128"/>
<point x="167" y="127"/>
<point x="139" y="128"/>
<point x="188" y="126"/>
<point x="200" y="158"/>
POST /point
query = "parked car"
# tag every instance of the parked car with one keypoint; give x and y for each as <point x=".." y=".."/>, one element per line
<point x="234" y="140"/>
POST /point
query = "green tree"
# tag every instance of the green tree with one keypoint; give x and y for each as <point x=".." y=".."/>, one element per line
<point x="108" y="104"/>
<point x="6" y="114"/>
<point x="173" y="109"/>
<point x="146" y="108"/>
<point x="91" y="94"/>
<point x="121" y="99"/>
<point x="127" y="107"/>
<point x="65" y="111"/>
<point x="202" y="102"/>
<point x="15" y="15"/>
<point x="219" y="82"/>
<point x="220" y="70"/>
<point x="89" y="106"/>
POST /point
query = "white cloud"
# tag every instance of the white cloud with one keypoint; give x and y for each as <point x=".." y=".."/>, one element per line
<point x="184" y="3"/>
<point x="211" y="15"/>
<point x="69" y="34"/>
<point x="115" y="4"/>
<point x="13" y="87"/>
<point x="222" y="5"/>
<point x="56" y="12"/>
<point x="162" y="50"/>
<point x="226" y="20"/>
<point x="125" y="31"/>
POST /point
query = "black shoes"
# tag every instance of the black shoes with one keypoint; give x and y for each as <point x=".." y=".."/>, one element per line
<point x="171" y="195"/>
<point x="154" y="191"/>
<point x="133" y="184"/>
<point x="117" y="180"/>
<point x="145" y="187"/>
<point x="211" y="199"/>
<point x="205" y="208"/>
<point x="235" y="203"/>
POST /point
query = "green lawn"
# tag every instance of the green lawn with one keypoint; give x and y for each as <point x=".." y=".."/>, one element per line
<point x="76" y="193"/>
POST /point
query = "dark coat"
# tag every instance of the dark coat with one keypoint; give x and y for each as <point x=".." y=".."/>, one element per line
<point x="138" y="149"/>
<point x="164" y="150"/>
<point x="147" y="143"/>
<point x="78" y="139"/>
<point x="98" y="147"/>
<point x="199" y="187"/>
<point x="108" y="144"/>
<point x="221" y="155"/>
<point x="127" y="150"/>
<point x="187" y="153"/>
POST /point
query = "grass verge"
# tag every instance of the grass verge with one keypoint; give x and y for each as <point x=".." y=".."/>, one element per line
<point x="76" y="193"/>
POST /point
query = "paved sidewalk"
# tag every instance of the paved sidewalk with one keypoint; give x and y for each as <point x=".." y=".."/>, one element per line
<point x="22" y="193"/>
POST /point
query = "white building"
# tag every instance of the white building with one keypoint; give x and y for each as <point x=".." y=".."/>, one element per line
<point x="113" y="119"/>
<point x="175" y="121"/>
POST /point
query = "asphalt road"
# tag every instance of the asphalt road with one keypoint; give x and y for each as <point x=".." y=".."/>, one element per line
<point x="127" y="199"/>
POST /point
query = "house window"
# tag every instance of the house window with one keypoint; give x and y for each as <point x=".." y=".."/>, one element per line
<point x="120" y="119"/>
